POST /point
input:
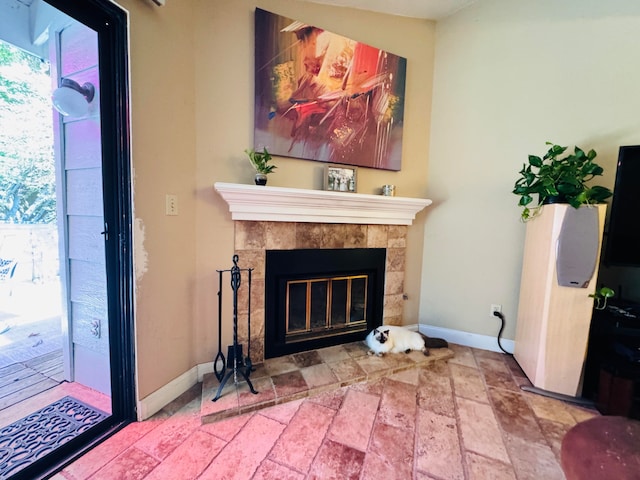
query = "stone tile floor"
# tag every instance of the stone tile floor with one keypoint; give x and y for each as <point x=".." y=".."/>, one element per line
<point x="465" y="418"/>
<point x="291" y="377"/>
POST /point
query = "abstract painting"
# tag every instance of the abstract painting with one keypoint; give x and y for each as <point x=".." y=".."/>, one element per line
<point x="321" y="96"/>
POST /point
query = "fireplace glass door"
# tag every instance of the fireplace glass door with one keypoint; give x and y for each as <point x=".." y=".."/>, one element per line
<point x="325" y="306"/>
<point x="318" y="298"/>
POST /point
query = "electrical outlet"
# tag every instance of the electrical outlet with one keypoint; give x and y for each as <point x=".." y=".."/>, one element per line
<point x="171" y="204"/>
<point x="495" y="308"/>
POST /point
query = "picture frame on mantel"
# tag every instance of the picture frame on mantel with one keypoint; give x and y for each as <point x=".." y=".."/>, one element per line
<point x="340" y="178"/>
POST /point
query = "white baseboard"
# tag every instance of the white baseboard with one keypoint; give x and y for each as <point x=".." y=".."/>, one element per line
<point x="154" y="402"/>
<point x="168" y="393"/>
<point x="205" y="368"/>
<point x="475" y="340"/>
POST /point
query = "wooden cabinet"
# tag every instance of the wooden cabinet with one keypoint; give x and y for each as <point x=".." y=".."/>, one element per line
<point x="553" y="321"/>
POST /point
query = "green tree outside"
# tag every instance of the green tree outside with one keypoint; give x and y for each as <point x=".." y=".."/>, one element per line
<point x="27" y="168"/>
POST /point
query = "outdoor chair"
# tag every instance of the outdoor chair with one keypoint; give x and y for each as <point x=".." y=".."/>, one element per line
<point x="7" y="270"/>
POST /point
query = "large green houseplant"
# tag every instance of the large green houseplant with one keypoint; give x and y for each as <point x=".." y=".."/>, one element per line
<point x="557" y="179"/>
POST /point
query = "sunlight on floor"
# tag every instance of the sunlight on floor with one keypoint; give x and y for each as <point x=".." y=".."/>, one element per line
<point x="30" y="321"/>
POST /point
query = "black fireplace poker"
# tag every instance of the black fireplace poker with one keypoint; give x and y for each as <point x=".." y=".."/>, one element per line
<point x="235" y="363"/>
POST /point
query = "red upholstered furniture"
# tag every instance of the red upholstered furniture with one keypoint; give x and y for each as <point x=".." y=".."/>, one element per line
<point x="602" y="448"/>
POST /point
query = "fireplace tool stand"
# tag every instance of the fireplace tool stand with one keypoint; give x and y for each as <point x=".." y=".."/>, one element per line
<point x="235" y="364"/>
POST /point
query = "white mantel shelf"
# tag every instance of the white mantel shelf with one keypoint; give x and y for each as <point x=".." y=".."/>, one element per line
<point x="280" y="204"/>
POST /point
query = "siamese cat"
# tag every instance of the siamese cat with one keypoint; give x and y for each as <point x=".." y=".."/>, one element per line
<point x="392" y="339"/>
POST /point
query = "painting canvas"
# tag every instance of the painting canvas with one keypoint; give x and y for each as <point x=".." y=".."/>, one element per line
<point x="321" y="96"/>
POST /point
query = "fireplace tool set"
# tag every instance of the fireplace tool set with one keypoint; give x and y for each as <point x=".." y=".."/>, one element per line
<point x="235" y="363"/>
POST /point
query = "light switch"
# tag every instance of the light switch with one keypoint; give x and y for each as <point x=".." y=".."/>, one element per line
<point x="171" y="204"/>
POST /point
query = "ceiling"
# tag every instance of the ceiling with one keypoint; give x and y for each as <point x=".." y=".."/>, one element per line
<point x="428" y="9"/>
<point x="26" y="23"/>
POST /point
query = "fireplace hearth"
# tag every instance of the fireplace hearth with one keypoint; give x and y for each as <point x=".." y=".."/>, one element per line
<point x="319" y="298"/>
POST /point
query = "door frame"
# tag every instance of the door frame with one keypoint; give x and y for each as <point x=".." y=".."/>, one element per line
<point x="111" y="23"/>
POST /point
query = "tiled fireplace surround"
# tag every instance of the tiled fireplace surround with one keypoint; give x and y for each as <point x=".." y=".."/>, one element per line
<point x="252" y="239"/>
<point x="275" y="218"/>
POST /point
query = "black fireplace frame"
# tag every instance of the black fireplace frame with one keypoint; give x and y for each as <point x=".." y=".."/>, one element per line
<point x="285" y="265"/>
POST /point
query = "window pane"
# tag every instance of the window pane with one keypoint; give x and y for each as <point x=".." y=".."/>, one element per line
<point x="319" y="304"/>
<point x="297" y="304"/>
<point x="358" y="299"/>
<point x="339" y="302"/>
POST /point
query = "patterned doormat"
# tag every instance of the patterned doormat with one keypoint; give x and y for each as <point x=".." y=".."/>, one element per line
<point x="38" y="434"/>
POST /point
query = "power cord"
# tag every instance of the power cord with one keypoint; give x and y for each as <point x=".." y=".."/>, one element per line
<point x="501" y="317"/>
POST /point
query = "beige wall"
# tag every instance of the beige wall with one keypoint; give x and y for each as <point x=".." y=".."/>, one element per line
<point x="192" y="118"/>
<point x="163" y="156"/>
<point x="508" y="77"/>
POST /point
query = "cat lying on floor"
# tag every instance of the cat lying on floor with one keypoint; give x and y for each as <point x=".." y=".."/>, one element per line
<point x="392" y="339"/>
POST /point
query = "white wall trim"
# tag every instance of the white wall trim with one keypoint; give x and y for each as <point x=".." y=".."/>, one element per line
<point x="155" y="402"/>
<point x="468" y="339"/>
<point x="205" y="368"/>
<point x="280" y="204"/>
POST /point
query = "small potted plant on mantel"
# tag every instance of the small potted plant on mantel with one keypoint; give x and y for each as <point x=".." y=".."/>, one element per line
<point x="559" y="180"/>
<point x="260" y="162"/>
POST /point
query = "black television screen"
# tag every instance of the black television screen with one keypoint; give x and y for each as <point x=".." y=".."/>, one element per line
<point x="623" y="233"/>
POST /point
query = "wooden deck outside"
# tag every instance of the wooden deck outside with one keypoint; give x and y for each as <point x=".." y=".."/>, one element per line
<point x="30" y="343"/>
<point x="23" y="380"/>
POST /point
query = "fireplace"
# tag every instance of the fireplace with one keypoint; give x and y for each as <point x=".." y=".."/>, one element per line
<point x="278" y="218"/>
<point x="318" y="298"/>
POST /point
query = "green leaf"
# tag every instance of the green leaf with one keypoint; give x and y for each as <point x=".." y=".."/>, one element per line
<point x="574" y="202"/>
<point x="598" y="194"/>
<point x="597" y="170"/>
<point x="535" y="161"/>
<point x="529" y="177"/>
<point x="557" y="150"/>
<point x="525" y="200"/>
<point x="606" y="292"/>
<point x="579" y="153"/>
